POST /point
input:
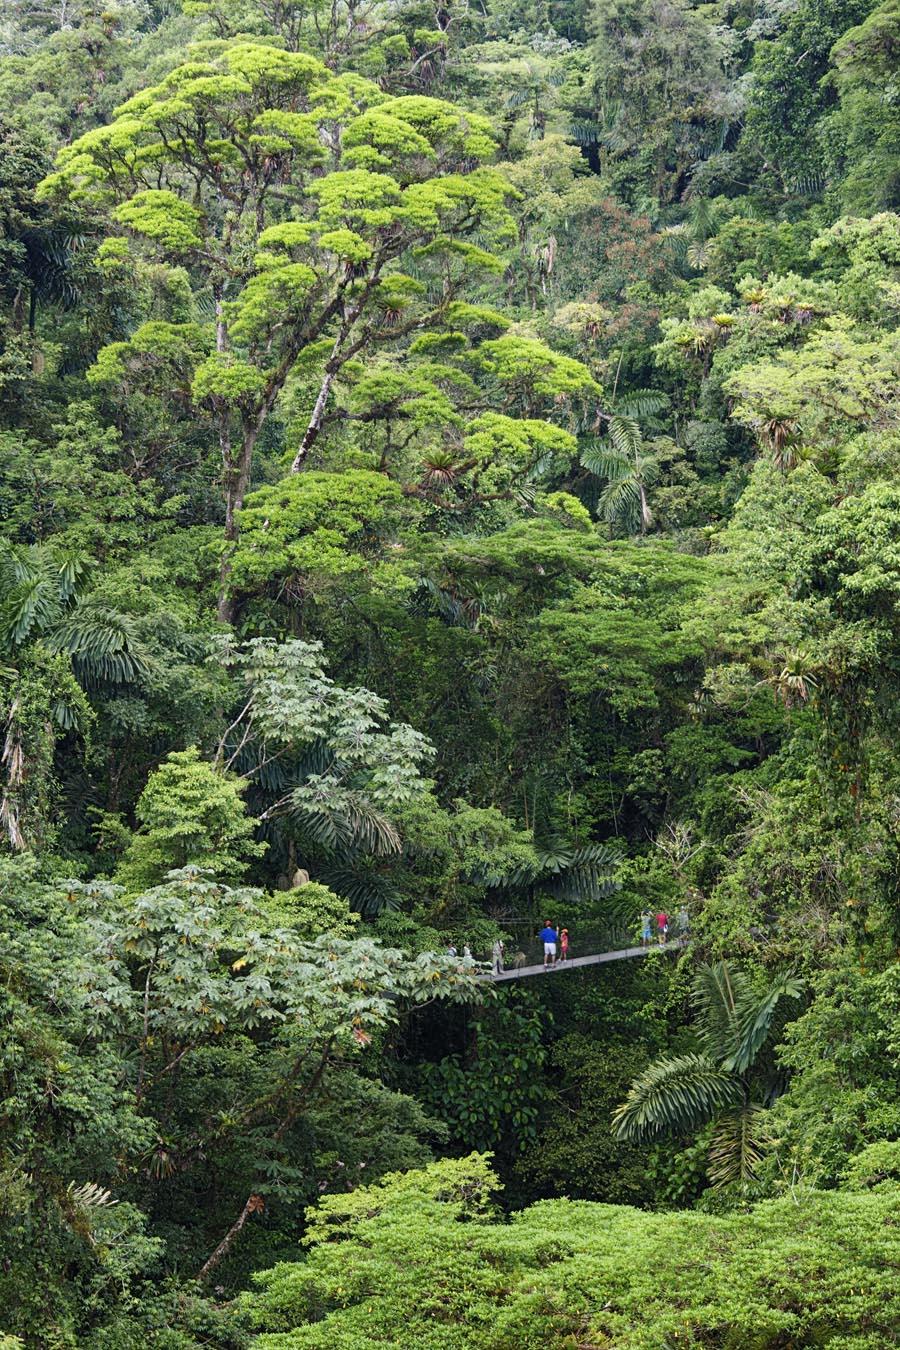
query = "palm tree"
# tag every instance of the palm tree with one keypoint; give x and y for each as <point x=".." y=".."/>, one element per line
<point x="690" y="237"/>
<point x="623" y="460"/>
<point x="43" y="599"/>
<point x="718" y="1084"/>
<point x="536" y="82"/>
<point x="43" y="611"/>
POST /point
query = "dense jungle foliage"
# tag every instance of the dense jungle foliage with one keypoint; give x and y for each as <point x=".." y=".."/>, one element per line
<point x="449" y="480"/>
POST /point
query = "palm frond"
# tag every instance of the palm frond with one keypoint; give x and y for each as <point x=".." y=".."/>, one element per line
<point x="717" y="995"/>
<point x="625" y="435"/>
<point x="737" y="1146"/>
<point x="584" y="132"/>
<point x="642" y="403"/>
<point x="352" y="826"/>
<point x="602" y="460"/>
<point x="29" y="608"/>
<point x="103" y="645"/>
<point x="733" y="1022"/>
<point x="587" y="873"/>
<point x="620" y="503"/>
<point x="366" y="891"/>
<point x="675" y="1095"/>
<point x="755" y="1019"/>
<point x="89" y="1195"/>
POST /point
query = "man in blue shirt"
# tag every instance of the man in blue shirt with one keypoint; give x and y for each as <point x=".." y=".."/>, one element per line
<point x="548" y="937"/>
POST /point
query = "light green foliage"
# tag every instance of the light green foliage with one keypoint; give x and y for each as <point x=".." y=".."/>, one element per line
<point x="190" y="972"/>
<point x="836" y="382"/>
<point x="528" y="365"/>
<point x="312" y="909"/>
<point x="568" y="509"/>
<point x="163" y="217"/>
<point x="165" y="351"/>
<point x="295" y="705"/>
<point x="222" y="377"/>
<point x="290" y="266"/>
<point x="864" y="256"/>
<point x="315" y="526"/>
<point x="400" y="1266"/>
<point x="876" y="1167"/>
<point x="346" y="771"/>
<point x="620" y="634"/>
<point x="189" y="813"/>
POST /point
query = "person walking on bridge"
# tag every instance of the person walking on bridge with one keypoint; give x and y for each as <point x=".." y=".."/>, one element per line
<point x="548" y="936"/>
<point x="646" y="928"/>
<point x="497" y="957"/>
<point x="662" y="927"/>
<point x="564" y="944"/>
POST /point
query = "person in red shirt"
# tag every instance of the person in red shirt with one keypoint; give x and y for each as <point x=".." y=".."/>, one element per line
<point x="662" y="927"/>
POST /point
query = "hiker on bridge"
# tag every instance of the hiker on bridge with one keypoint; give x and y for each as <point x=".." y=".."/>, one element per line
<point x="646" y="928"/>
<point x="497" y="957"/>
<point x="662" y="927"/>
<point x="564" y="944"/>
<point x="549" y="937"/>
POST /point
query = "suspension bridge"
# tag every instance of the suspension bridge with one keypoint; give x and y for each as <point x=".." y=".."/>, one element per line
<point x="522" y="972"/>
<point x="595" y="945"/>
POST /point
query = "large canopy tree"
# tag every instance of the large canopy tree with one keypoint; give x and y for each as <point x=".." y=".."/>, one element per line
<point x="292" y="195"/>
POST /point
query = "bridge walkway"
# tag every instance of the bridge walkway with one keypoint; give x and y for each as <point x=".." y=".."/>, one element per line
<point x="576" y="962"/>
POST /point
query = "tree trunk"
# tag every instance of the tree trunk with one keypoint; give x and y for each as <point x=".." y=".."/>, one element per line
<point x="253" y="1205"/>
<point x="237" y="480"/>
<point x="315" y="421"/>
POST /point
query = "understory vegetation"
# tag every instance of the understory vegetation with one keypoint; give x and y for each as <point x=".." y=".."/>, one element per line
<point x="449" y="483"/>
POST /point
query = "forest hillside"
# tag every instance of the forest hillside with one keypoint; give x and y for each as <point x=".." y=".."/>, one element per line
<point x="449" y="525"/>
